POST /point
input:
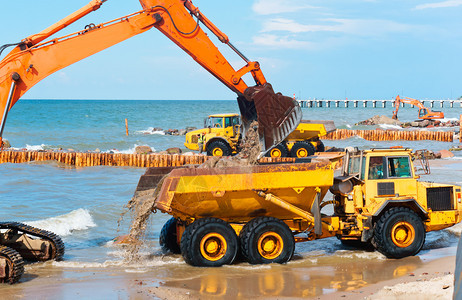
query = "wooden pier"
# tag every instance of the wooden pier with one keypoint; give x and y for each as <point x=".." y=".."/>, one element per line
<point x="374" y="103"/>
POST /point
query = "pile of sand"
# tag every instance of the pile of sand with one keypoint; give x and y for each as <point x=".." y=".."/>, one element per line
<point x="435" y="288"/>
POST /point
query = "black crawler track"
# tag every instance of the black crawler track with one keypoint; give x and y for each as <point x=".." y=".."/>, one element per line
<point x="15" y="265"/>
<point x="57" y="243"/>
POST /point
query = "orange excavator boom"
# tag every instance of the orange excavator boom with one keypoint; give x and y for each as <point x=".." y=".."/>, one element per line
<point x="37" y="57"/>
<point x="424" y="112"/>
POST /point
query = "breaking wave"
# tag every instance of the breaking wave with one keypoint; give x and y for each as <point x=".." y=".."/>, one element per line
<point x="150" y="130"/>
<point x="129" y="151"/>
<point x="389" y="126"/>
<point x="32" y="147"/>
<point x="64" y="225"/>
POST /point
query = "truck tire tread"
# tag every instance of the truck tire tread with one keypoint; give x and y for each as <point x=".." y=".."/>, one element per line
<point x="190" y="241"/>
<point x="249" y="241"/>
<point x="168" y="237"/>
<point x="302" y="145"/>
<point x="382" y="239"/>
<point x="218" y="144"/>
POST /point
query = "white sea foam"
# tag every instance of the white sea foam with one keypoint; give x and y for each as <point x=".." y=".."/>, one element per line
<point x="32" y="147"/>
<point x="128" y="151"/>
<point x="389" y="126"/>
<point x="64" y="225"/>
<point x="374" y="255"/>
<point x="156" y="261"/>
<point x="150" y="130"/>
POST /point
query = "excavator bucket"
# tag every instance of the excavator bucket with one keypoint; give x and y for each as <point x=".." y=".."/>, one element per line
<point x="277" y="115"/>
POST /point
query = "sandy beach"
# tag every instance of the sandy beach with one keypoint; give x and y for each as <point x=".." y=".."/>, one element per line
<point x="431" y="280"/>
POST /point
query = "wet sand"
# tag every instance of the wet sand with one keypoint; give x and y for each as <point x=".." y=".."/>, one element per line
<point x="363" y="280"/>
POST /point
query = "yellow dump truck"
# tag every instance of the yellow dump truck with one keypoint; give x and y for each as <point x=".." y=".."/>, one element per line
<point x="221" y="136"/>
<point x="262" y="211"/>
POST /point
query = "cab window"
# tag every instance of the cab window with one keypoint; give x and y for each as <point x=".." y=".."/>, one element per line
<point x="354" y="165"/>
<point x="236" y="121"/>
<point x="228" y="122"/>
<point x="399" y="167"/>
<point x="216" y="122"/>
<point x="376" y="167"/>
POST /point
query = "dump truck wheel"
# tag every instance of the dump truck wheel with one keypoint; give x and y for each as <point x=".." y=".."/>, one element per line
<point x="399" y="233"/>
<point x="302" y="149"/>
<point x="168" y="237"/>
<point x="209" y="242"/>
<point x="218" y="148"/>
<point x="321" y="147"/>
<point x="279" y="151"/>
<point x="267" y="240"/>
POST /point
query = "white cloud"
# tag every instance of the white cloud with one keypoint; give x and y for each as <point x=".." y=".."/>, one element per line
<point x="350" y="26"/>
<point x="269" y="7"/>
<point x="270" y="40"/>
<point x="448" y="3"/>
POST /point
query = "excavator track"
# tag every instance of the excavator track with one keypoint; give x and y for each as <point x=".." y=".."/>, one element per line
<point x="55" y="240"/>
<point x="14" y="265"/>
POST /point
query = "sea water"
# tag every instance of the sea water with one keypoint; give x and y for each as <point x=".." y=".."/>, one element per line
<point x="83" y="205"/>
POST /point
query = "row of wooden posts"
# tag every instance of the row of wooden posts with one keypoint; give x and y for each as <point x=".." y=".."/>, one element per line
<point x="111" y="159"/>
<point x="392" y="135"/>
<point x="156" y="160"/>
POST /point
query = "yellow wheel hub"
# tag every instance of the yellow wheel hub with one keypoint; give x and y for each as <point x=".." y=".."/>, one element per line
<point x="217" y="152"/>
<point x="213" y="246"/>
<point x="270" y="245"/>
<point x="403" y="234"/>
<point x="276" y="153"/>
<point x="302" y="152"/>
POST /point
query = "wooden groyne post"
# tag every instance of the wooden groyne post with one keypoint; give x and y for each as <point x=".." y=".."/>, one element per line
<point x="392" y="135"/>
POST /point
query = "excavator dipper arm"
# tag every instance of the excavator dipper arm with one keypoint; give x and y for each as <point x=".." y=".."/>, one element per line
<point x="32" y="60"/>
<point x="424" y="112"/>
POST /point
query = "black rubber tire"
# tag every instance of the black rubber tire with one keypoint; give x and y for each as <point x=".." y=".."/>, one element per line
<point x="218" y="144"/>
<point x="383" y="241"/>
<point x="255" y="229"/>
<point x="310" y="150"/>
<point x="321" y="147"/>
<point x="281" y="147"/>
<point x="168" y="237"/>
<point x="197" y="231"/>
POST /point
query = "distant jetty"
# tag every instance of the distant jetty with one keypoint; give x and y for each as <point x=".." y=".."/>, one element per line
<point x="373" y="103"/>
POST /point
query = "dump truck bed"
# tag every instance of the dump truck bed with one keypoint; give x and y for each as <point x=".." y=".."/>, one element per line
<point x="309" y="129"/>
<point x="231" y="193"/>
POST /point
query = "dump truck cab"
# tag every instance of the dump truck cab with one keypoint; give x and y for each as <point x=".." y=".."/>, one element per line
<point x="378" y="183"/>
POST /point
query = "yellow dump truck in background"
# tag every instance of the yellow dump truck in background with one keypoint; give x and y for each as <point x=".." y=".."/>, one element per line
<point x="262" y="211"/>
<point x="222" y="134"/>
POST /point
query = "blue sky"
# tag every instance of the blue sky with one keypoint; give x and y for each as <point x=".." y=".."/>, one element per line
<point x="315" y="49"/>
